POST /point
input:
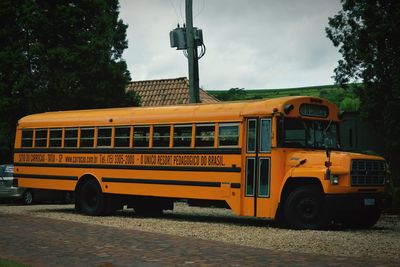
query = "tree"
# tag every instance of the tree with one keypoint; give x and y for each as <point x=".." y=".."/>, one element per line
<point x="232" y="94"/>
<point x="346" y="99"/>
<point x="367" y="34"/>
<point x="60" y="55"/>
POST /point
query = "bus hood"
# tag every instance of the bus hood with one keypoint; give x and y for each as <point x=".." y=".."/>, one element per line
<point x="340" y="161"/>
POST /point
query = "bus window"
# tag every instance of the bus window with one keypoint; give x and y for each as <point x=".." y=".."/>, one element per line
<point x="141" y="136"/>
<point x="55" y="137"/>
<point x="228" y="134"/>
<point x="310" y="133"/>
<point x="104" y="136"/>
<point x="71" y="137"/>
<point x="295" y="133"/>
<point x="41" y="138"/>
<point x="182" y="135"/>
<point x="250" y="176"/>
<point x="251" y="135"/>
<point x="161" y="136"/>
<point x="122" y="136"/>
<point x="87" y="137"/>
<point x="265" y="135"/>
<point x="205" y="135"/>
<point x="27" y="138"/>
<point x="263" y="177"/>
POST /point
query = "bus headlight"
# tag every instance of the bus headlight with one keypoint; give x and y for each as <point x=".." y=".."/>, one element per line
<point x="334" y="179"/>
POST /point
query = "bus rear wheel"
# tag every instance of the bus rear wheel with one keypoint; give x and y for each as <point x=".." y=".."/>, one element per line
<point x="91" y="198"/>
<point x="305" y="208"/>
<point x="27" y="197"/>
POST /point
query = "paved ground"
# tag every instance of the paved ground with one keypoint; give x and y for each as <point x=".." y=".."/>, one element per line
<point x="49" y="242"/>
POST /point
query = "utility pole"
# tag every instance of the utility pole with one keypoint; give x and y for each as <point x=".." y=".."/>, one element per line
<point x="193" y="61"/>
<point x="189" y="38"/>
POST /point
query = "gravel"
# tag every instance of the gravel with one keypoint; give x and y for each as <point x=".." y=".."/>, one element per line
<point x="381" y="241"/>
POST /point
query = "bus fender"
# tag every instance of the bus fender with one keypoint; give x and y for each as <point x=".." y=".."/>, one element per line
<point x="86" y="177"/>
<point x="292" y="182"/>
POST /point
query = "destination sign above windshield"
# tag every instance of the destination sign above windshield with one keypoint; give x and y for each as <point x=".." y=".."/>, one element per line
<point x="312" y="110"/>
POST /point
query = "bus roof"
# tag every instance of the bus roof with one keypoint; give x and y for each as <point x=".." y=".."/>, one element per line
<point x="223" y="111"/>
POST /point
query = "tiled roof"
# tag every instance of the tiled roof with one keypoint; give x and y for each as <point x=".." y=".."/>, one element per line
<point x="166" y="92"/>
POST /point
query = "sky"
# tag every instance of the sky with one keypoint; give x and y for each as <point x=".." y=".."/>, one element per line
<point x="253" y="44"/>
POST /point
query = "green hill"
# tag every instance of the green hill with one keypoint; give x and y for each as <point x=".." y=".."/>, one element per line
<point x="346" y="99"/>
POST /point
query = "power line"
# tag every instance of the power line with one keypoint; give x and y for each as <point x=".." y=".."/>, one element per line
<point x="175" y="10"/>
<point x="180" y="9"/>
<point x="201" y="10"/>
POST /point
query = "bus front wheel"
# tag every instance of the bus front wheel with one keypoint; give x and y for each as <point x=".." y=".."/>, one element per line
<point x="305" y="208"/>
<point x="91" y="198"/>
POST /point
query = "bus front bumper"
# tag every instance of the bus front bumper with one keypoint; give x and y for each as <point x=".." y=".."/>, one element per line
<point x="354" y="202"/>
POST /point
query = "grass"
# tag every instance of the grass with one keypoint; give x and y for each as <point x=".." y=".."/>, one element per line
<point x="272" y="93"/>
<point x="10" y="263"/>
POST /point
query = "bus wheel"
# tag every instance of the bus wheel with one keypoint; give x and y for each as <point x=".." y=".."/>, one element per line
<point x="305" y="208"/>
<point x="27" y="197"/>
<point x="91" y="198"/>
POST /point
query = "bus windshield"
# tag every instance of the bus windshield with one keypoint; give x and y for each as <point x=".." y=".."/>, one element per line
<point x="310" y="134"/>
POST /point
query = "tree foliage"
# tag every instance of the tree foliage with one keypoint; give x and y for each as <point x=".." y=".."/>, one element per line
<point x="232" y="94"/>
<point x="60" y="55"/>
<point x="345" y="99"/>
<point x="367" y="34"/>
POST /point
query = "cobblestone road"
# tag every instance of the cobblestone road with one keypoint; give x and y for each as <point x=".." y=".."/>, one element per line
<point x="50" y="242"/>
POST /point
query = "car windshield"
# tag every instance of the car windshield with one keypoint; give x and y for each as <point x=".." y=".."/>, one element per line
<point x="310" y="134"/>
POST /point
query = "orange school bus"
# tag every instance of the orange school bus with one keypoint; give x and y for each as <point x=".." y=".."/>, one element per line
<point x="278" y="158"/>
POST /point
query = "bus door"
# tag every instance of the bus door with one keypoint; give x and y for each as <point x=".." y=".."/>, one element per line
<point x="257" y="167"/>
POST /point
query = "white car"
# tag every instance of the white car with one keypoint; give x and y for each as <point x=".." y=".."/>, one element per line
<point x="9" y="190"/>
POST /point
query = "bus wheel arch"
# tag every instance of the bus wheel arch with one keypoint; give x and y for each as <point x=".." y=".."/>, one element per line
<point x="302" y="204"/>
<point x="89" y="197"/>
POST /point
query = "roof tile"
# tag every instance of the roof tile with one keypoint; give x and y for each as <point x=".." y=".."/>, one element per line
<point x="166" y="92"/>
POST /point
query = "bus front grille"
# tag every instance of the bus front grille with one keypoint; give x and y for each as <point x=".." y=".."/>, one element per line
<point x="367" y="172"/>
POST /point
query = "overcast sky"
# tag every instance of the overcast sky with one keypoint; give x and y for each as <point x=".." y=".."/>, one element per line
<point x="250" y="44"/>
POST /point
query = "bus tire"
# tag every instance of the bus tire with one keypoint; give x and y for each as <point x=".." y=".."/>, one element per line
<point x="280" y="220"/>
<point x="91" y="198"/>
<point x="305" y="208"/>
<point x="27" y="197"/>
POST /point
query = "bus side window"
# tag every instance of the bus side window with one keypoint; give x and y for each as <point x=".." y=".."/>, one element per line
<point x="161" y="135"/>
<point x="87" y="137"/>
<point x="55" y="138"/>
<point x="205" y="135"/>
<point x="228" y="134"/>
<point x="71" y="137"/>
<point x="182" y="135"/>
<point x="104" y="136"/>
<point x="27" y="138"/>
<point x="41" y="138"/>
<point x="141" y="136"/>
<point x="122" y="136"/>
